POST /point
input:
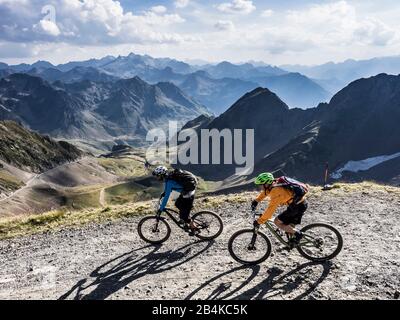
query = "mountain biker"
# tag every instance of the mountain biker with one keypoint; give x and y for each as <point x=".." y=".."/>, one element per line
<point x="281" y="194"/>
<point x="183" y="182"/>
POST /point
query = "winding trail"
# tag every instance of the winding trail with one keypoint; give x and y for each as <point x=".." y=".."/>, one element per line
<point x="102" y="199"/>
<point x="28" y="184"/>
<point x="36" y="178"/>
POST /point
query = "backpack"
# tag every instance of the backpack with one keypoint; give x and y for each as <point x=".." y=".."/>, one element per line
<point x="299" y="189"/>
<point x="185" y="178"/>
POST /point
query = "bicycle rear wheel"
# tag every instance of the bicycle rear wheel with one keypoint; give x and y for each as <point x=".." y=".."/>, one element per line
<point x="154" y="230"/>
<point x="209" y="224"/>
<point x="321" y="242"/>
<point x="248" y="247"/>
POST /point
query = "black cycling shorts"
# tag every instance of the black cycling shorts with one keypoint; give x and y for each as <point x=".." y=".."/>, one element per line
<point x="294" y="213"/>
<point x="185" y="205"/>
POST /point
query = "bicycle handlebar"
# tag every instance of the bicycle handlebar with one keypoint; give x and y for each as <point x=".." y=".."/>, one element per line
<point x="254" y="214"/>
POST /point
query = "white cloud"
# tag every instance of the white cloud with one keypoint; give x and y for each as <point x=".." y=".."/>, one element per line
<point x="267" y="13"/>
<point x="237" y="6"/>
<point x="158" y="9"/>
<point x="338" y="24"/>
<point x="47" y="27"/>
<point x="374" y="32"/>
<point x="223" y="25"/>
<point x="15" y="50"/>
<point x="181" y="3"/>
<point x="330" y="30"/>
<point x="14" y="2"/>
<point x="88" y="22"/>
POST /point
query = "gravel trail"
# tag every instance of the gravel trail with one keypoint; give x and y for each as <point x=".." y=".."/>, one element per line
<point x="109" y="261"/>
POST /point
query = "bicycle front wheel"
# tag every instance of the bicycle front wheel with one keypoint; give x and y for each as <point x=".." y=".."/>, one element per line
<point x="154" y="230"/>
<point x="209" y="225"/>
<point x="321" y="242"/>
<point x="249" y="248"/>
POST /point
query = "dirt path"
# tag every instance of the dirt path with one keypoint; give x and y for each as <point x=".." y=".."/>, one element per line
<point x="28" y="184"/>
<point x="37" y="179"/>
<point x="102" y="199"/>
<point x="109" y="261"/>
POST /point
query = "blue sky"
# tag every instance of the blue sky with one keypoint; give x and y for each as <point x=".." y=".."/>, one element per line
<point x="276" y="32"/>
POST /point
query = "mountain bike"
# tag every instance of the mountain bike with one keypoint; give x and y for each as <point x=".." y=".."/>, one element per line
<point x="321" y="242"/>
<point x="156" y="229"/>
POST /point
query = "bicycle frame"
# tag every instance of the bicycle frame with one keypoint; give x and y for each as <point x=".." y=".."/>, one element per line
<point x="270" y="225"/>
<point x="171" y="214"/>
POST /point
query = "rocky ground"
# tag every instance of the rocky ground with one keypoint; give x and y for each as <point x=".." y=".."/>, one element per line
<point x="109" y="261"/>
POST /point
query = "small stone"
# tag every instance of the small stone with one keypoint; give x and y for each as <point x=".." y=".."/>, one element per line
<point x="397" y="295"/>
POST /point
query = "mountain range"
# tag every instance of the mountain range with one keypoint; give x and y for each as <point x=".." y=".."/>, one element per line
<point x="216" y="86"/>
<point x="125" y="109"/>
<point x="359" y="123"/>
<point x="97" y="101"/>
<point x="335" y="76"/>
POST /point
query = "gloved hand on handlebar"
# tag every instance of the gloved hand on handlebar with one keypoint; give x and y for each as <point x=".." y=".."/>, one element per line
<point x="254" y="205"/>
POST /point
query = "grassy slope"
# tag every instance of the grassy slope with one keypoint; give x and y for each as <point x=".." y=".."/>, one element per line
<point x="129" y="187"/>
<point x="64" y="218"/>
<point x="33" y="152"/>
<point x="9" y="182"/>
<point x="123" y="167"/>
<point x="30" y="152"/>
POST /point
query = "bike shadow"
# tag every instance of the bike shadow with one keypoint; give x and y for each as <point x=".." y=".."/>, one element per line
<point x="276" y="283"/>
<point x="121" y="271"/>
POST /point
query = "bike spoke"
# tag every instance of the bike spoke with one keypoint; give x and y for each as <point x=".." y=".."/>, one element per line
<point x="207" y="224"/>
<point x="154" y="230"/>
<point x="248" y="247"/>
<point x="320" y="242"/>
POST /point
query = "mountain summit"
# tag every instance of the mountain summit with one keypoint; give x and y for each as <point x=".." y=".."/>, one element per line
<point x="358" y="127"/>
<point x="91" y="110"/>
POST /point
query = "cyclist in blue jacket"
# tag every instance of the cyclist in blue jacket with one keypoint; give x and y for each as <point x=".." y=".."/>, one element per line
<point x="183" y="182"/>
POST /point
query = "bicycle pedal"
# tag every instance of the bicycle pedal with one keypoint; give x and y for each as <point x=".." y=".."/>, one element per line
<point x="193" y="233"/>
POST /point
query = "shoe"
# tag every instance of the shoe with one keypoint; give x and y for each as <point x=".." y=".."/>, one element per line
<point x="193" y="232"/>
<point x="298" y="236"/>
<point x="295" y="240"/>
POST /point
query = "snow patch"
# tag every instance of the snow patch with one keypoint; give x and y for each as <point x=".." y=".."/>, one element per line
<point x="363" y="165"/>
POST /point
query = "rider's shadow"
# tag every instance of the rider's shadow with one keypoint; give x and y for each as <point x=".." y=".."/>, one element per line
<point x="119" y="272"/>
<point x="277" y="283"/>
<point x="225" y="289"/>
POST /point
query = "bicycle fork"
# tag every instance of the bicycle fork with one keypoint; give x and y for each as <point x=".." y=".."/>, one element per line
<point x="155" y="228"/>
<point x="252" y="245"/>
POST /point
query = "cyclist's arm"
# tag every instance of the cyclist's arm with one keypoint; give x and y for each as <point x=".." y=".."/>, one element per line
<point x="275" y="202"/>
<point x="279" y="197"/>
<point x="167" y="193"/>
<point x="269" y="212"/>
<point x="261" y="196"/>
